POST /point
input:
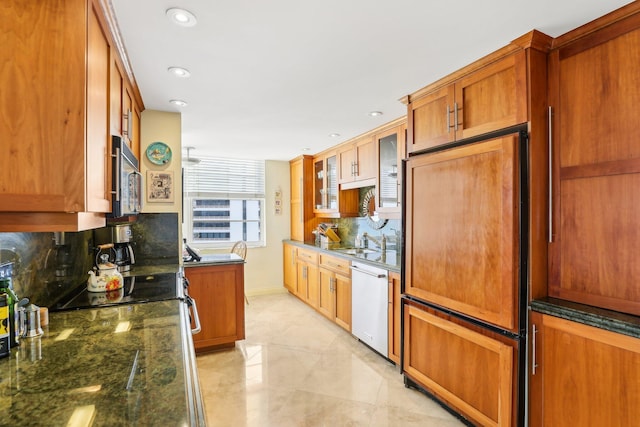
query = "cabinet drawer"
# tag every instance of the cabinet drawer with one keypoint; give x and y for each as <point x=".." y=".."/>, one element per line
<point x="470" y="371"/>
<point x="308" y="255"/>
<point x="339" y="265"/>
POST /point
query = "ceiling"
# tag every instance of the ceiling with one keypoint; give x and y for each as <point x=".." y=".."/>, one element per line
<point x="274" y="79"/>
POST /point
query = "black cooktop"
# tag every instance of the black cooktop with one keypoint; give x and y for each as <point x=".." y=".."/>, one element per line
<point x="137" y="289"/>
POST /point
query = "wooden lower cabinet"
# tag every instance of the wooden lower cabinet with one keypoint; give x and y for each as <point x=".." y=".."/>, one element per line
<point x="583" y="376"/>
<point x="335" y="290"/>
<point x="219" y="295"/>
<point x="471" y="369"/>
<point x="289" y="267"/>
<point x="395" y="309"/>
<point x="307" y="277"/>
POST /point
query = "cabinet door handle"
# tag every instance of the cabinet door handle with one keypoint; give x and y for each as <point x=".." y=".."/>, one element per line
<point x="534" y="365"/>
<point x="455" y="116"/>
<point x="356" y="171"/>
<point x="550" y="116"/>
<point x="448" y="119"/>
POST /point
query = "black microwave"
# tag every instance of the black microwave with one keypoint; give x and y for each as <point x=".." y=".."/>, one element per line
<point x="126" y="182"/>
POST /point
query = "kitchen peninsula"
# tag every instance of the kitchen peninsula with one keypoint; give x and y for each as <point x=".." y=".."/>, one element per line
<point x="216" y="282"/>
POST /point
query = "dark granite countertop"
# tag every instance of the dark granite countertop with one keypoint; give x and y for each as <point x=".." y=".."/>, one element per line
<point x="83" y="368"/>
<point x="593" y="316"/>
<point x="143" y="270"/>
<point x="389" y="259"/>
<point x="215" y="259"/>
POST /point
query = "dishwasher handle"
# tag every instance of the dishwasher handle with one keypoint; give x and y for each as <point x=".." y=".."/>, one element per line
<point x="360" y="270"/>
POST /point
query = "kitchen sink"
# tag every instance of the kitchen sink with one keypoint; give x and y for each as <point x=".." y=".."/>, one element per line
<point x="356" y="251"/>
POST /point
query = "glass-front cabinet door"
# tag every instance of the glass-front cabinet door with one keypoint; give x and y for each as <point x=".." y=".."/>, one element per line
<point x="391" y="150"/>
<point x="318" y="183"/>
<point x="331" y="182"/>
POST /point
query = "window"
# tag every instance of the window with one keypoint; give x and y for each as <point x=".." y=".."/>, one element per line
<point x="224" y="202"/>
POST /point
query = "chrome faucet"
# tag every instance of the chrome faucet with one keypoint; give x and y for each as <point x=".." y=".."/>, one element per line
<point x="382" y="243"/>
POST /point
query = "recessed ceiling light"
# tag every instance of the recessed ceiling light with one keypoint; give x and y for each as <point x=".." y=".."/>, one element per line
<point x="306" y="149"/>
<point x="181" y="17"/>
<point x="179" y="71"/>
<point x="178" y="102"/>
<point x="375" y="113"/>
<point x="334" y="135"/>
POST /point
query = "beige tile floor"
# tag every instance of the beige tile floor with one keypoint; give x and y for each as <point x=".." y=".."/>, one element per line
<point x="296" y="368"/>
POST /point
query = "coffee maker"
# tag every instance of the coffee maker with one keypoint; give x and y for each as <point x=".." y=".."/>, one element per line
<point x="121" y="236"/>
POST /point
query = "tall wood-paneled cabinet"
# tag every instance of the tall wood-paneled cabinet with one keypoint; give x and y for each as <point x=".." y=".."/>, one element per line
<point x="594" y="96"/>
<point x="580" y="374"/>
<point x="56" y="174"/>
<point x="303" y="220"/>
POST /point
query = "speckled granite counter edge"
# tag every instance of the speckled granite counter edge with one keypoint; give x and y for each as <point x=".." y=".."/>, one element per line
<point x="395" y="267"/>
<point x="210" y="263"/>
<point x="593" y="316"/>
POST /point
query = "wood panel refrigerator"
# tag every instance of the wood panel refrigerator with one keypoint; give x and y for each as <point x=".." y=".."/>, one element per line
<point x="465" y="276"/>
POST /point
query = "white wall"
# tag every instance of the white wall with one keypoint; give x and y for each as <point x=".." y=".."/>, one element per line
<point x="163" y="127"/>
<point x="263" y="270"/>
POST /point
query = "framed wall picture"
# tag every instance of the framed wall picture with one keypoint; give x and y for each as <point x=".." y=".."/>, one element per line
<point x="160" y="186"/>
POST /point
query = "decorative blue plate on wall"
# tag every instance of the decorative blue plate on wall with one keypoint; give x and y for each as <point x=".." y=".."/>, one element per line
<point x="159" y="153"/>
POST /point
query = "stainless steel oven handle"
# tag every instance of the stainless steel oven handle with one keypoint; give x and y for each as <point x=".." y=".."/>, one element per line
<point x="196" y="318"/>
<point x="359" y="270"/>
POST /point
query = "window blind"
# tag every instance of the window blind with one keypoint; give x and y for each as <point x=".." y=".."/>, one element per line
<point x="225" y="178"/>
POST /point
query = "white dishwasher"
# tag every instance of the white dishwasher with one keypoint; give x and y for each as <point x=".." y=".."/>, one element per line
<point x="370" y="305"/>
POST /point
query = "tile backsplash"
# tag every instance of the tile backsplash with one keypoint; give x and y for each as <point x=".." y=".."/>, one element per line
<point x="47" y="266"/>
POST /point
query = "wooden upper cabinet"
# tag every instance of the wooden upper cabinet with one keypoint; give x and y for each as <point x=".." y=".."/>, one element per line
<point x="429" y="120"/>
<point x="328" y="200"/>
<point x="390" y="150"/>
<point x="357" y="163"/>
<point x="462" y="229"/>
<point x="594" y="95"/>
<point x="55" y="175"/>
<point x="491" y="98"/>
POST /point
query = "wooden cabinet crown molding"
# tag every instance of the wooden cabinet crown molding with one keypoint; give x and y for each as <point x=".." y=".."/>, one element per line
<point x="532" y="40"/>
<point x="598" y="24"/>
<point x="108" y="21"/>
